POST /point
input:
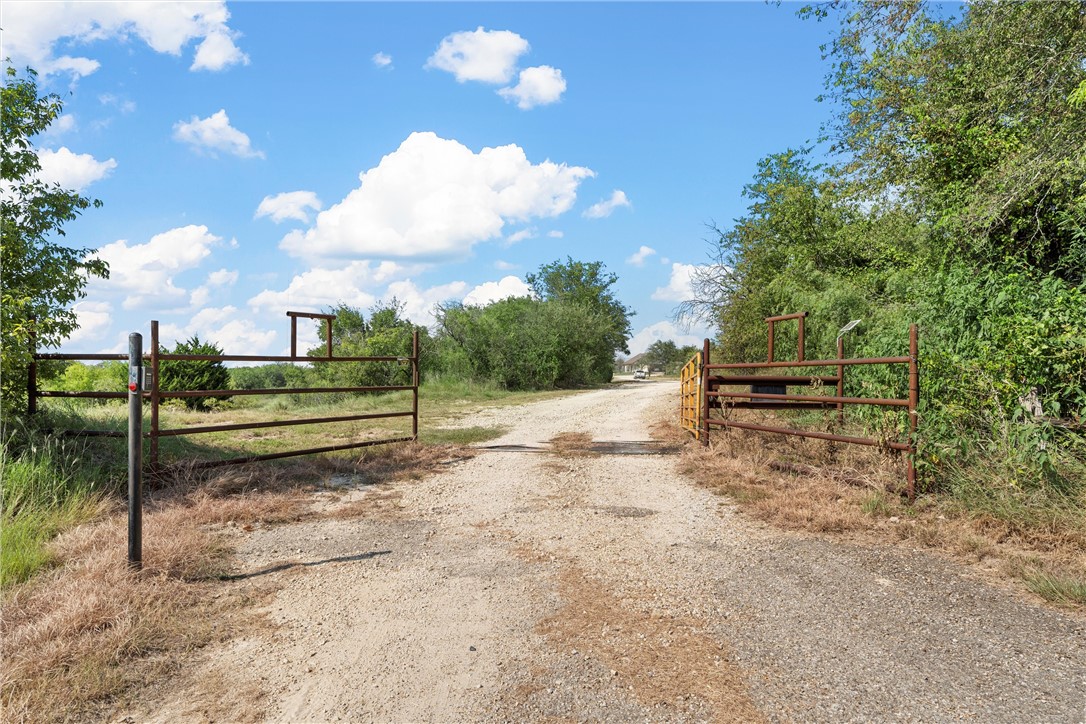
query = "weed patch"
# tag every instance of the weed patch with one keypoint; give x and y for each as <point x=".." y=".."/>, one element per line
<point x="1057" y="589"/>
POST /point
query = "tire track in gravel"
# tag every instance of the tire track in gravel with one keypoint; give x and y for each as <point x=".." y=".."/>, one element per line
<point x="533" y="586"/>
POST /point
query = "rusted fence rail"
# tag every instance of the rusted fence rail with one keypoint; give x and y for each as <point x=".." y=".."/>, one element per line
<point x="153" y="394"/>
<point x="770" y="392"/>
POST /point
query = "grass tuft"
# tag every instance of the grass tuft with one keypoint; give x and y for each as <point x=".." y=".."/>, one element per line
<point x="1061" y="590"/>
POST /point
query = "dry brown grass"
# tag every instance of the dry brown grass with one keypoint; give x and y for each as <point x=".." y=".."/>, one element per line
<point x="853" y="491"/>
<point x="663" y="658"/>
<point x="80" y="640"/>
<point x="572" y="444"/>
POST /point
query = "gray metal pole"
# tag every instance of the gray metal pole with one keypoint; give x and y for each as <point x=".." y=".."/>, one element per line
<point x="135" y="451"/>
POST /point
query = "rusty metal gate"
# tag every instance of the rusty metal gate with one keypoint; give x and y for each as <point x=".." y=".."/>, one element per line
<point x="153" y="393"/>
<point x="770" y="392"/>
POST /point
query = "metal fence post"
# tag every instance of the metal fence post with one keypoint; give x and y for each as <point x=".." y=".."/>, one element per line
<point x="415" y="385"/>
<point x="704" y="399"/>
<point x="32" y="370"/>
<point x="156" y="394"/>
<point x="914" y="401"/>
<point x="841" y="380"/>
<point x="135" y="450"/>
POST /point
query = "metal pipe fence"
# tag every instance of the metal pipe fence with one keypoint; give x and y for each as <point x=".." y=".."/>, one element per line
<point x="153" y="394"/>
<point x="702" y="382"/>
<point x="140" y="392"/>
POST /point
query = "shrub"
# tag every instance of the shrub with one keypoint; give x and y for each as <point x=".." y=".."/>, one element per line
<point x="183" y="375"/>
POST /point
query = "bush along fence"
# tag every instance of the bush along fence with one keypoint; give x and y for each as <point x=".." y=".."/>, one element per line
<point x="144" y="387"/>
<point x="704" y="384"/>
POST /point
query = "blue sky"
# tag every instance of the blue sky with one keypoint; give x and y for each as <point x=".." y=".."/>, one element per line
<point x="255" y="158"/>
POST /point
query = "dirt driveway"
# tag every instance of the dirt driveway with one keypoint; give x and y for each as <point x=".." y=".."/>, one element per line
<point x="524" y="584"/>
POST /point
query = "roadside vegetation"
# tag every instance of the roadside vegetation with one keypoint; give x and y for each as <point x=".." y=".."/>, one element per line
<point x="955" y="198"/>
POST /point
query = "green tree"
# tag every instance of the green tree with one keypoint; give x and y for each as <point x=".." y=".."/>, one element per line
<point x="588" y="285"/>
<point x="665" y="355"/>
<point x="526" y="343"/>
<point x="661" y="355"/>
<point x="387" y="334"/>
<point x="183" y="375"/>
<point x="973" y="120"/>
<point x="40" y="277"/>
<point x="349" y="330"/>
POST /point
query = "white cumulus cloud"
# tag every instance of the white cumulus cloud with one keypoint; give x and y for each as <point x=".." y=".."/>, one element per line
<point x="538" y="86"/>
<point x="94" y="319"/>
<point x="382" y="60"/>
<point x="221" y="278"/>
<point x="218" y="51"/>
<point x="434" y="197"/>
<point x="489" y="292"/>
<point x="318" y="288"/>
<point x="489" y="56"/>
<point x="521" y="235"/>
<point x="75" y="171"/>
<point x="678" y="288"/>
<point x="63" y="124"/>
<point x="289" y="205"/>
<point x="33" y="31"/>
<point x="638" y="257"/>
<point x="223" y="327"/>
<point x="214" y="133"/>
<point x="418" y="304"/>
<point x="663" y="331"/>
<point x="604" y="208"/>
<point x="145" y="272"/>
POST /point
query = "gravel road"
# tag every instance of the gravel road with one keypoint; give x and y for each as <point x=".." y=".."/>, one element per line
<point x="522" y="584"/>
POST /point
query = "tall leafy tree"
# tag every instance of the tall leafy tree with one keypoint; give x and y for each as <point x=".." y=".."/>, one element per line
<point x="41" y="277"/>
<point x="974" y="120"/>
<point x="587" y="284"/>
<point x="526" y="343"/>
<point x="386" y="333"/>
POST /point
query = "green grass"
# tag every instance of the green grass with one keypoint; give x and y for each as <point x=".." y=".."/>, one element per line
<point x="876" y="504"/>
<point x="1060" y="590"/>
<point x="48" y="486"/>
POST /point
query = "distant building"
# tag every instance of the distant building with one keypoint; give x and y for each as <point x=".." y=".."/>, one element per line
<point x="637" y="362"/>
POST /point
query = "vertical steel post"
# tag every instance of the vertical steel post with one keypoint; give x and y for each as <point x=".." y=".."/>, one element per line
<point x="840" y="379"/>
<point x="914" y="401"/>
<point x="770" y="341"/>
<point x="293" y="336"/>
<point x="32" y="370"/>
<point x="415" y="385"/>
<point x="156" y="394"/>
<point x="135" y="451"/>
<point x="328" y="329"/>
<point x="802" y="345"/>
<point x="704" y="401"/>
